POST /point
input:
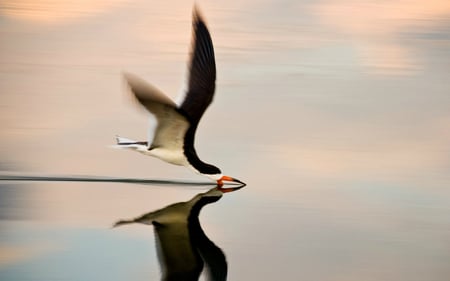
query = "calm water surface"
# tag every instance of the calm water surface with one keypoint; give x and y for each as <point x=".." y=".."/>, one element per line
<point x="335" y="113"/>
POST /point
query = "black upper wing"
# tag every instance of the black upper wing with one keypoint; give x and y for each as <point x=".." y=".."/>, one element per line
<point x="202" y="73"/>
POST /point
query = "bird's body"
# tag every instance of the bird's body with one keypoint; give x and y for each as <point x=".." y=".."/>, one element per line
<point x="172" y="156"/>
<point x="173" y="138"/>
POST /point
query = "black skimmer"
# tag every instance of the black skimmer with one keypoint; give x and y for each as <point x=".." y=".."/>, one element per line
<point x="173" y="138"/>
<point x="183" y="247"/>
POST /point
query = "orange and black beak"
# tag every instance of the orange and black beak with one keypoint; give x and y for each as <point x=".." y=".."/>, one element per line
<point x="227" y="178"/>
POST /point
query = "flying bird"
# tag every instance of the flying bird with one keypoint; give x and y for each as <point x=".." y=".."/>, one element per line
<point x="173" y="138"/>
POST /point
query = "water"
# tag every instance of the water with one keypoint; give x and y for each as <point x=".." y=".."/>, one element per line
<point x="335" y="113"/>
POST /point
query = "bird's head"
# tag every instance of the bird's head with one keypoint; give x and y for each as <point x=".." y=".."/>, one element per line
<point x="216" y="175"/>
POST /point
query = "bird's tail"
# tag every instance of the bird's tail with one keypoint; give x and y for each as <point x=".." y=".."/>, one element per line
<point x="148" y="219"/>
<point x="128" y="143"/>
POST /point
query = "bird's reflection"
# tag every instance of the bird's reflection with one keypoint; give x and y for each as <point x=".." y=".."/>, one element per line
<point x="183" y="247"/>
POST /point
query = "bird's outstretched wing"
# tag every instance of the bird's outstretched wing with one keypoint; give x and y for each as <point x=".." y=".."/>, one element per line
<point x="172" y="126"/>
<point x="202" y="72"/>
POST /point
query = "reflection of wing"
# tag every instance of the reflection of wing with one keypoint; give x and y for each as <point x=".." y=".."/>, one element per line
<point x="202" y="73"/>
<point x="183" y="247"/>
<point x="172" y="126"/>
<point x="177" y="257"/>
<point x="211" y="254"/>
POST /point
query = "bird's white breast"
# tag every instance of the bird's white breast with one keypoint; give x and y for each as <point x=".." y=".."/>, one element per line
<point x="175" y="157"/>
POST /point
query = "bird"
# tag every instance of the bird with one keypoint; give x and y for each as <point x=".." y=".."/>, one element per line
<point x="173" y="138"/>
<point x="182" y="246"/>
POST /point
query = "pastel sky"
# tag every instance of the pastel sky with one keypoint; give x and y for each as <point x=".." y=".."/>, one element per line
<point x="336" y="114"/>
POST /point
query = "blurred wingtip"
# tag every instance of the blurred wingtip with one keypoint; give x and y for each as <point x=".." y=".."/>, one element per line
<point x="195" y="10"/>
<point x="197" y="14"/>
<point x="128" y="76"/>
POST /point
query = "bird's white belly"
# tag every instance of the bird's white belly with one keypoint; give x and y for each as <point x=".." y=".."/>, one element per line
<point x="175" y="157"/>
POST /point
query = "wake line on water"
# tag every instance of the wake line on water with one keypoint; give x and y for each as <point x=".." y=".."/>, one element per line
<point x="71" y="178"/>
